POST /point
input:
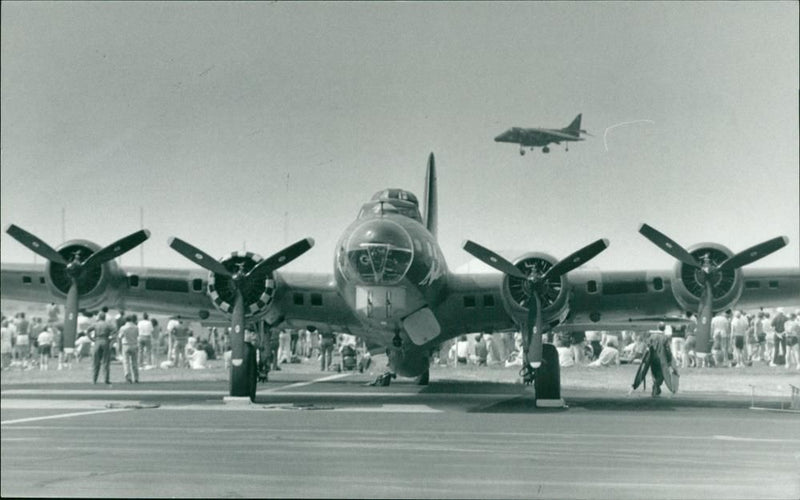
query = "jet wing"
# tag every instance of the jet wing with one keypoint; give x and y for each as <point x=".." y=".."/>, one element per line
<point x="555" y="135"/>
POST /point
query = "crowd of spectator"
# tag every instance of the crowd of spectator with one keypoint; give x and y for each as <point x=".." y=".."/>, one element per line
<point x="738" y="339"/>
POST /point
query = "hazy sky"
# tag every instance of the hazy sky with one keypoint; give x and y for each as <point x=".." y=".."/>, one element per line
<point x="198" y="111"/>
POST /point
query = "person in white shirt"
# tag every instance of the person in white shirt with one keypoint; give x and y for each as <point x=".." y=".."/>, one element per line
<point x="145" y="341"/>
<point x="45" y="341"/>
<point x="610" y="352"/>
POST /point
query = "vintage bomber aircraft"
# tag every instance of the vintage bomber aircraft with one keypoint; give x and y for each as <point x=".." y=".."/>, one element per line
<point x="390" y="285"/>
<point x="531" y="137"/>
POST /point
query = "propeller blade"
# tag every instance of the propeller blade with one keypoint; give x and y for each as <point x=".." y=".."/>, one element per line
<point x="282" y="258"/>
<point x="237" y="328"/>
<point x="703" y="333"/>
<point x="492" y="259"/>
<point x="198" y="256"/>
<point x="535" y="338"/>
<point x="38" y="246"/>
<point x="71" y="316"/>
<point x="239" y="377"/>
<point x="117" y="248"/>
<point x="754" y="253"/>
<point x="577" y="259"/>
<point x="668" y="245"/>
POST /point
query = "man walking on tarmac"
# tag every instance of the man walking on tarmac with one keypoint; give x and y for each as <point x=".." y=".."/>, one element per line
<point x="103" y="333"/>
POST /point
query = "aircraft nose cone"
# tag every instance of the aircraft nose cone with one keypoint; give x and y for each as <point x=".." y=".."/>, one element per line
<point x="504" y="137"/>
<point x="379" y="252"/>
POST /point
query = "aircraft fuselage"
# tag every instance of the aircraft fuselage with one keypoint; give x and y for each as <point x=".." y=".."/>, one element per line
<point x="388" y="268"/>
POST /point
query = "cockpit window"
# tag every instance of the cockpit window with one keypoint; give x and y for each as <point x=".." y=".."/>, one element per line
<point x="380" y="252"/>
<point x="379" y="208"/>
<point x="379" y="263"/>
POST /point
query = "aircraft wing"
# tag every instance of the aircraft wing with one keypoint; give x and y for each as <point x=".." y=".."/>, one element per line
<point x="474" y="303"/>
<point x="555" y="135"/>
<point x="299" y="299"/>
<point x="604" y="300"/>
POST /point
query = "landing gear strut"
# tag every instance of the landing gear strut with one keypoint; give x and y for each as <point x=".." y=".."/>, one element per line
<point x="547" y="382"/>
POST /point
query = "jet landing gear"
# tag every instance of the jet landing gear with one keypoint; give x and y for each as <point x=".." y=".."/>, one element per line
<point x="547" y="380"/>
<point x="521" y="152"/>
<point x="545" y="150"/>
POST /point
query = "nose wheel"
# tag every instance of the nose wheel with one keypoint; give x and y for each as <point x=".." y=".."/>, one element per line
<point x="545" y="149"/>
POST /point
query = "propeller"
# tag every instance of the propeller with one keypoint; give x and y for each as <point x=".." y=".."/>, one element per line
<point x="75" y="268"/>
<point x="708" y="272"/>
<point x="240" y="279"/>
<point x="536" y="282"/>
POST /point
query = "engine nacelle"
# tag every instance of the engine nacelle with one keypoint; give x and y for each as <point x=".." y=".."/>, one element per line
<point x="257" y="294"/>
<point x="687" y="284"/>
<point x="516" y="292"/>
<point x="96" y="286"/>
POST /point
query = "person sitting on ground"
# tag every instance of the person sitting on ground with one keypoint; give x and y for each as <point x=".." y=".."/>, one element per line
<point x="197" y="358"/>
<point x="83" y="347"/>
<point x="634" y="352"/>
<point x="610" y="352"/>
<point x="566" y="357"/>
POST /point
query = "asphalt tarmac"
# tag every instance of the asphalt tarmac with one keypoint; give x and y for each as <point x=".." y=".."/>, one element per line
<point x="331" y="436"/>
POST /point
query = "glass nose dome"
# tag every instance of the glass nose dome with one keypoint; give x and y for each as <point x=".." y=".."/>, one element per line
<point x="380" y="251"/>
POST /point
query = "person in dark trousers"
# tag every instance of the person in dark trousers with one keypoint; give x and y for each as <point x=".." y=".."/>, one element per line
<point x="103" y="336"/>
<point x="327" y="340"/>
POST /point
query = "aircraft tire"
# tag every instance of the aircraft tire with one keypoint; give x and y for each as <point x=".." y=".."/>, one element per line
<point x="424" y="379"/>
<point x="244" y="378"/>
<point x="547" y="383"/>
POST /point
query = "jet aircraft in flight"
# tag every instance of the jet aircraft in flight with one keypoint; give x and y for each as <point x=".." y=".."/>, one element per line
<point x="532" y="137"/>
<point x="390" y="285"/>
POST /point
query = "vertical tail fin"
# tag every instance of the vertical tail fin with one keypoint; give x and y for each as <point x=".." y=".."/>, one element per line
<point x="431" y="198"/>
<point x="575" y="127"/>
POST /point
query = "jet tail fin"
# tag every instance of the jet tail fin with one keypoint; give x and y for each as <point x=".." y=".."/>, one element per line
<point x="574" y="128"/>
<point x="431" y="198"/>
